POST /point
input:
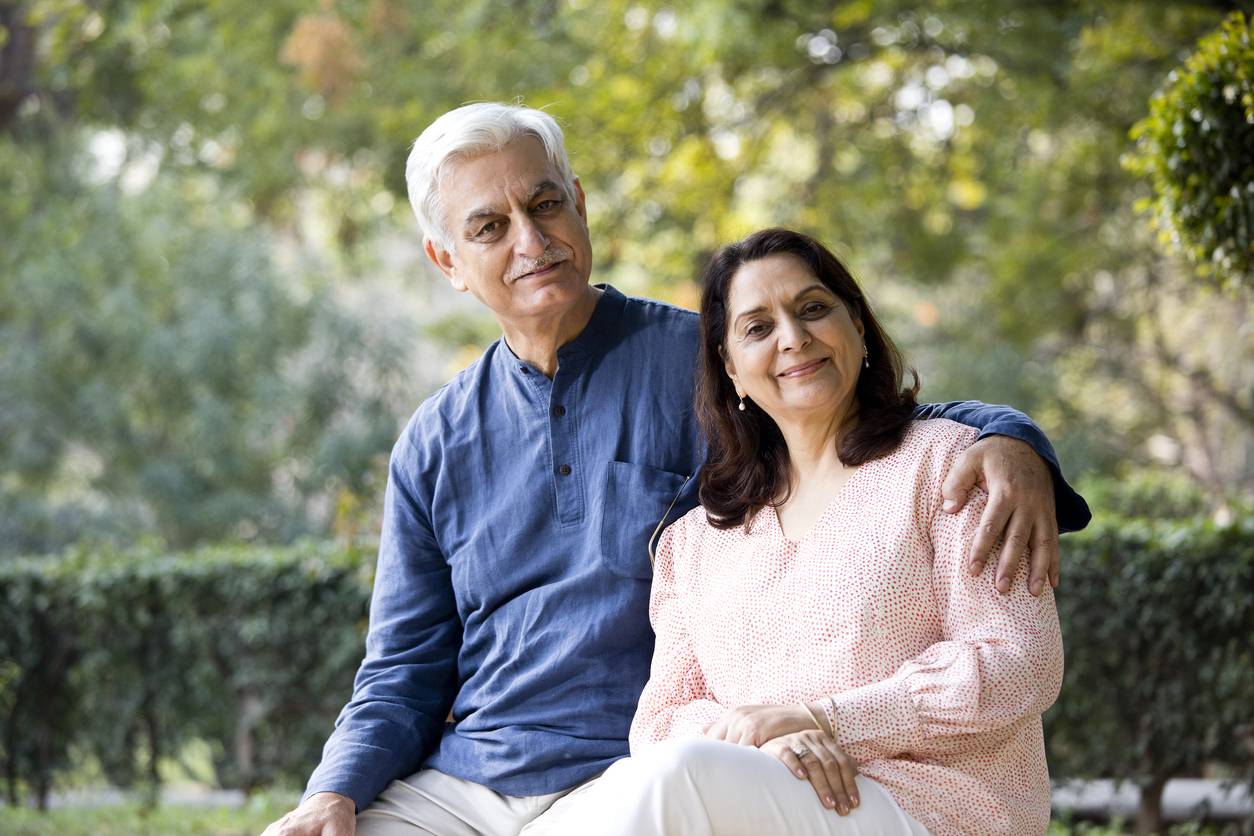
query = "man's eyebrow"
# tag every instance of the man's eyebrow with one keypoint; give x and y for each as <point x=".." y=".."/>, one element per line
<point x="488" y="211"/>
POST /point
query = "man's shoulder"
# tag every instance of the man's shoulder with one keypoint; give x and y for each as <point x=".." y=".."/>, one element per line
<point x="453" y="403"/>
<point x="643" y="312"/>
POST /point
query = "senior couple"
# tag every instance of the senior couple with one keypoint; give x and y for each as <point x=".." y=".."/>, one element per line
<point x="831" y="656"/>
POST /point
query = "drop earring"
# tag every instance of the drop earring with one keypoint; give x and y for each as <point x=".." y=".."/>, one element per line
<point x="742" y="404"/>
<point x="866" y="357"/>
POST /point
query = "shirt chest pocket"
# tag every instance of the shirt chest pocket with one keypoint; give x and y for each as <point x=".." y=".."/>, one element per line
<point x="637" y="497"/>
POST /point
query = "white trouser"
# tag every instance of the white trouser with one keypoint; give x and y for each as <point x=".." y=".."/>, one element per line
<point x="701" y="787"/>
<point x="430" y="803"/>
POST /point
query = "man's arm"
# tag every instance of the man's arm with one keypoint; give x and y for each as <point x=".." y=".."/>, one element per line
<point x="406" y="684"/>
<point x="1029" y="500"/>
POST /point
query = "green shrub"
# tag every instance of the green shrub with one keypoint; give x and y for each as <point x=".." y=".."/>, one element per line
<point x="131" y="655"/>
<point x="1197" y="148"/>
<point x="1158" y="621"/>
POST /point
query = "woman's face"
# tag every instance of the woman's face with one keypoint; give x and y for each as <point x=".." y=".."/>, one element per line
<point x="793" y="346"/>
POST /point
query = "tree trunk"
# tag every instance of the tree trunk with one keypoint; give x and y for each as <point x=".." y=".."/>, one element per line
<point x="1149" y="813"/>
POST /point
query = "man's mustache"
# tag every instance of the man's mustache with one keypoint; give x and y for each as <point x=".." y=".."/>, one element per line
<point x="551" y="255"/>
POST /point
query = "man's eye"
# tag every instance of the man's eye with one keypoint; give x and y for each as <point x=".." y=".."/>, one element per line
<point x="546" y="205"/>
<point x="488" y="228"/>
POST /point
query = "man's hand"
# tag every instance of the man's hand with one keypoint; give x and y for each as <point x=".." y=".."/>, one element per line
<point x="322" y="814"/>
<point x="1020" y="508"/>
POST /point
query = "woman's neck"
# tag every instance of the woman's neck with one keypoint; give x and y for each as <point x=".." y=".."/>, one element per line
<point x="816" y="475"/>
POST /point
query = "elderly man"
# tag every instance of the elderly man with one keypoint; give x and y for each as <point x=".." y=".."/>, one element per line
<point x="513" y="575"/>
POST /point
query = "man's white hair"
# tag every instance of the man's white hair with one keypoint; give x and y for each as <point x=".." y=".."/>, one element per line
<point x="465" y="133"/>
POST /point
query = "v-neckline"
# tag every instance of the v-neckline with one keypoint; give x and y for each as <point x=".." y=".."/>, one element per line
<point x="779" y="526"/>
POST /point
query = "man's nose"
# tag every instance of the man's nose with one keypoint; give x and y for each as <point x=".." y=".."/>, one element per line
<point x="530" y="240"/>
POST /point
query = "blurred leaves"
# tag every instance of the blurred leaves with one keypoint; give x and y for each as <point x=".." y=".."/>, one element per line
<point x="1197" y="147"/>
<point x="963" y="155"/>
<point x="161" y="374"/>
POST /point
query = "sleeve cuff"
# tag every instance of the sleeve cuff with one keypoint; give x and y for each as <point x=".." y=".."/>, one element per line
<point x="875" y="711"/>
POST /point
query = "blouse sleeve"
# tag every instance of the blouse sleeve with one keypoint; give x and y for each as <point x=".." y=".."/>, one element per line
<point x="676" y="701"/>
<point x="999" y="660"/>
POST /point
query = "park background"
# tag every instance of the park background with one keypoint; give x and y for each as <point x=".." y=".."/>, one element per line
<point x="215" y="315"/>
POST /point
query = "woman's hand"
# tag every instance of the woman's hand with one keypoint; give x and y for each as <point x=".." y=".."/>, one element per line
<point x="812" y="754"/>
<point x="754" y="725"/>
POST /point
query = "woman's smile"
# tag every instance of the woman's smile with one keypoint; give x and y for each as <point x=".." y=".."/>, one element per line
<point x="803" y="370"/>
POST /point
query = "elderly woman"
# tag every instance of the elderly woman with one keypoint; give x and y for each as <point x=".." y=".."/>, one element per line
<point x="825" y="663"/>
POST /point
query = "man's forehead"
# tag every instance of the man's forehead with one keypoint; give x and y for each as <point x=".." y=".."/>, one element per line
<point x="520" y="165"/>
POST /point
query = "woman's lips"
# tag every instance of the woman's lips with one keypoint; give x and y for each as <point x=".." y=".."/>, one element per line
<point x="803" y="369"/>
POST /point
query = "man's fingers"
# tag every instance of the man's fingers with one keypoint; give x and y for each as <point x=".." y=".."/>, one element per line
<point x="963" y="476"/>
<point x="1045" y="561"/>
<point x="1018" y="538"/>
<point x="992" y="524"/>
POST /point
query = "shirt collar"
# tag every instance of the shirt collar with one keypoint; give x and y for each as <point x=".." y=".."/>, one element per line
<point x="605" y="318"/>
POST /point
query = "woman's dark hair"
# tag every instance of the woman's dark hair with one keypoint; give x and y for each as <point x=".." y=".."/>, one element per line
<point x="746" y="466"/>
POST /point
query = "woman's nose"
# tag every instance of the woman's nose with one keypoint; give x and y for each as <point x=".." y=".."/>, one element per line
<point x="793" y="335"/>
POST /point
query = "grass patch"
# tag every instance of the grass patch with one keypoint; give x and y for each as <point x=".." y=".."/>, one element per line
<point x="132" y="819"/>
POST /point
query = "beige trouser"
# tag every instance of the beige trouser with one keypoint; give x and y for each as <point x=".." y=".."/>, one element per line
<point x="700" y="787"/>
<point x="686" y="787"/>
<point x="430" y="803"/>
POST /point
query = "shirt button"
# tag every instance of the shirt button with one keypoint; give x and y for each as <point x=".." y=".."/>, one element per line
<point x="525" y="369"/>
<point x="559" y="410"/>
<point x="564" y="470"/>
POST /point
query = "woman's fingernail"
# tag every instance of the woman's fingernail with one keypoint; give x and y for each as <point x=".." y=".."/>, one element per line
<point x="801" y="773"/>
<point x="829" y="802"/>
<point x="853" y="799"/>
<point x="949" y="505"/>
<point x="844" y="811"/>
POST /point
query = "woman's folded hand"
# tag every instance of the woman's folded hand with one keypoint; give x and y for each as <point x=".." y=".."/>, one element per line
<point x="753" y="725"/>
<point x="812" y="754"/>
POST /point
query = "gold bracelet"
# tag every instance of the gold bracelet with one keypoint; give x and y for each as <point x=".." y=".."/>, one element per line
<point x="814" y="717"/>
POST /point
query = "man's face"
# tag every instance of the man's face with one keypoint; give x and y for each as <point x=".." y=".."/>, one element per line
<point x="520" y="234"/>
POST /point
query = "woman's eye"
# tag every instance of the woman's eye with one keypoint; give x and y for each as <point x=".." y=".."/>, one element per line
<point x="755" y="330"/>
<point x="814" y="309"/>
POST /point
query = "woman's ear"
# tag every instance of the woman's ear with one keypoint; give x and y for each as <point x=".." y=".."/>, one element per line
<point x="731" y="372"/>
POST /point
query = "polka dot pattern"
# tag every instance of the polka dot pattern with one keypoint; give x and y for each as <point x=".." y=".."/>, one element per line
<point x="938" y="680"/>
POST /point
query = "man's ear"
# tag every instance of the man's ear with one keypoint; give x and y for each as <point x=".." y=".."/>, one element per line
<point x="581" y="203"/>
<point x="446" y="261"/>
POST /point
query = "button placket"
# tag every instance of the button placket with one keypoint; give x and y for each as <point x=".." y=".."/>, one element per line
<point x="563" y="435"/>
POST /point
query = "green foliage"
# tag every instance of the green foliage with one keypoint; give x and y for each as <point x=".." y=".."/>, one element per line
<point x="1157" y="619"/>
<point x="161" y="374"/>
<point x="1197" y="147"/>
<point x="1146" y="495"/>
<point x="131" y="655"/>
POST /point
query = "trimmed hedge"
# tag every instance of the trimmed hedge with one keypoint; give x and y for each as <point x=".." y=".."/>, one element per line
<point x="131" y="655"/>
<point x="1158" y="621"/>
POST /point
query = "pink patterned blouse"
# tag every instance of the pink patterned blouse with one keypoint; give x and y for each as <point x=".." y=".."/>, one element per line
<point x="938" y="681"/>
